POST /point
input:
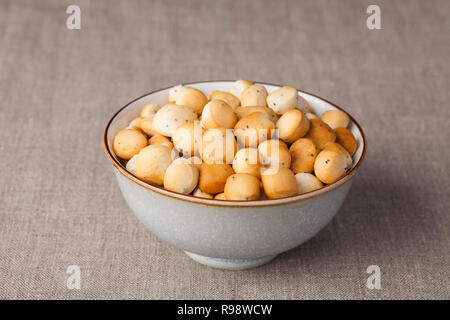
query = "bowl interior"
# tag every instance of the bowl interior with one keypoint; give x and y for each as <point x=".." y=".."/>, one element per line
<point x="132" y="110"/>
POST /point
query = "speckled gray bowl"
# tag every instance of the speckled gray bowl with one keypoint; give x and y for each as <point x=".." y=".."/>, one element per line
<point x="229" y="234"/>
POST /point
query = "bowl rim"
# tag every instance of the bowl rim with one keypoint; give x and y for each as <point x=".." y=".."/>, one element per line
<point x="233" y="203"/>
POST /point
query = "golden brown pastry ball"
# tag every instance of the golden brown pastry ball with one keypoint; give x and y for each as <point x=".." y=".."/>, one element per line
<point x="152" y="162"/>
<point x="213" y="177"/>
<point x="335" y="119"/>
<point x="274" y="153"/>
<point x="128" y="142"/>
<point x="218" y="146"/>
<point x="160" y="139"/>
<point x="320" y="133"/>
<point x="303" y="153"/>
<point x="246" y="160"/>
<point x="242" y="186"/>
<point x="245" y="111"/>
<point x="292" y="125"/>
<point x="345" y="138"/>
<point x="279" y="182"/>
<point x="192" y="98"/>
<point x="181" y="177"/>
<point x="229" y="98"/>
<point x="330" y="166"/>
<point x="253" y="129"/>
<point x="338" y="148"/>
<point x="218" y="114"/>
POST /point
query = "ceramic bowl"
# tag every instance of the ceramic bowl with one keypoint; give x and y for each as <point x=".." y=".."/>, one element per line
<point x="229" y="234"/>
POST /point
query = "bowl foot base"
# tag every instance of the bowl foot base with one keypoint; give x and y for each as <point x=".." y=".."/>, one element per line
<point x="230" y="264"/>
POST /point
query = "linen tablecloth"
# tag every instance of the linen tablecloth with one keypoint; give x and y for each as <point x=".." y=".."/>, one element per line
<point x="60" y="205"/>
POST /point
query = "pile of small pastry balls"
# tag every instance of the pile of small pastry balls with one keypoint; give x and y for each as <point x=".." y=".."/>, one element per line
<point x="244" y="144"/>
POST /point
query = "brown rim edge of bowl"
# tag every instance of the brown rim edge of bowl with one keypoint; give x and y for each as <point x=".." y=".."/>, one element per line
<point x="231" y="203"/>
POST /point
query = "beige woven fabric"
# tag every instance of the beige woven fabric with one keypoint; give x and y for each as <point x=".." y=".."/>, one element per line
<point x="60" y="204"/>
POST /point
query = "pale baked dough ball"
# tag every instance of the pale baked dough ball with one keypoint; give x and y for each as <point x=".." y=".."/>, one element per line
<point x="213" y="177"/>
<point x="160" y="139"/>
<point x="131" y="164"/>
<point x="242" y="186"/>
<point x="335" y="119"/>
<point x="330" y="166"/>
<point x="239" y="86"/>
<point x="292" y="125"/>
<point x="128" y="142"/>
<point x="303" y="105"/>
<point x="152" y="162"/>
<point x="174" y="93"/>
<point x="135" y="124"/>
<point x="149" y="110"/>
<point x="254" y="95"/>
<point x="303" y="153"/>
<point x="279" y="182"/>
<point x="283" y="99"/>
<point x="188" y="138"/>
<point x="246" y="160"/>
<point x="181" y="177"/>
<point x="345" y="138"/>
<point x="218" y="114"/>
<point x="307" y="182"/>
<point x="229" y="98"/>
<point x="200" y="194"/>
<point x="274" y="153"/>
<point x="146" y="125"/>
<point x="311" y="115"/>
<point x="253" y="129"/>
<point x="338" y="148"/>
<point x="171" y="116"/>
<point x="218" y="146"/>
<point x="220" y="196"/>
<point x="192" y="98"/>
<point x="320" y="133"/>
<point x="245" y="111"/>
<point x="196" y="161"/>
